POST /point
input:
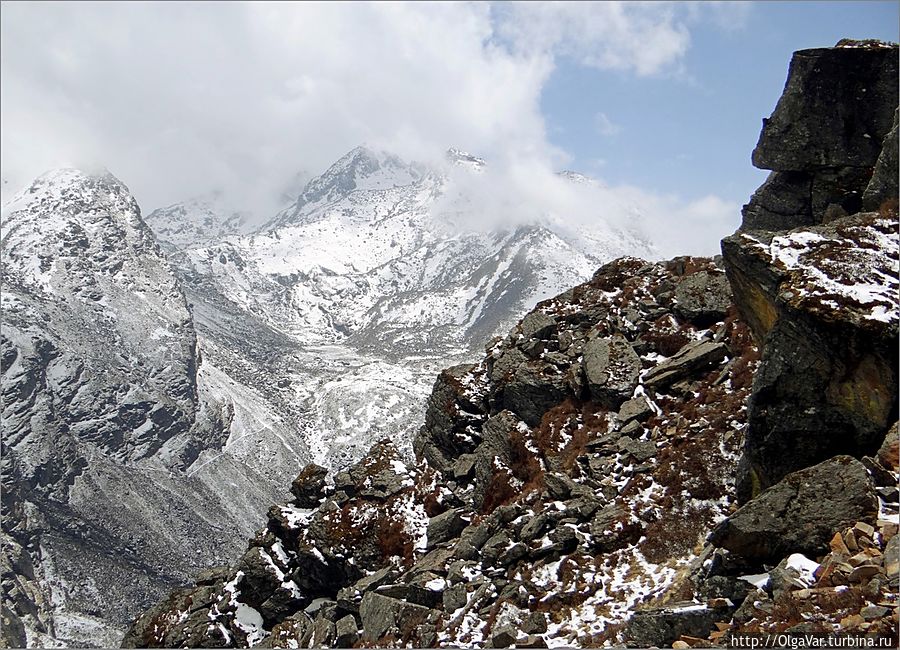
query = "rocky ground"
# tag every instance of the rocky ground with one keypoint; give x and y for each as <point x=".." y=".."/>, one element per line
<point x="674" y="453"/>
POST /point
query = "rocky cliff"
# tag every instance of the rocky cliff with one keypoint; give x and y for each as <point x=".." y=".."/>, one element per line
<point x="670" y="453"/>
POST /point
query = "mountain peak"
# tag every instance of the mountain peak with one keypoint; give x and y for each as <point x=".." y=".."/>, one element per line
<point x="464" y="159"/>
<point x="72" y="190"/>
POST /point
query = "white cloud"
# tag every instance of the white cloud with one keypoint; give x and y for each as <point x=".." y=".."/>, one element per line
<point x="181" y="98"/>
<point x="605" y="126"/>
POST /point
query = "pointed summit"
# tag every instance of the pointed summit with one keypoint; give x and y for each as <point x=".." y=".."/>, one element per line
<point x="360" y="169"/>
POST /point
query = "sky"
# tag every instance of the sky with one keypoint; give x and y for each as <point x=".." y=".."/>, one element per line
<point x="661" y="102"/>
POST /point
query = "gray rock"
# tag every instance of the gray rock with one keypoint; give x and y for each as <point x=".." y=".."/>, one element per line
<point x="661" y="627"/>
<point x="309" y="486"/>
<point x="612" y="368"/>
<point x="345" y="632"/>
<point x="801" y="513"/>
<point x="381" y="615"/>
<point x="638" y="409"/>
<point x="445" y="526"/>
<point x="689" y="360"/>
<point x="826" y="383"/>
<point x="703" y="297"/>
<point x="836" y="109"/>
<point x="538" y="325"/>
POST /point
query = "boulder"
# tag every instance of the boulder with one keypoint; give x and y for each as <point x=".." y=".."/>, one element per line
<point x="612" y="368"/>
<point x="661" y="627"/>
<point x="309" y="486"/>
<point x="445" y="527"/>
<point x="381" y="615"/>
<point x="533" y="389"/>
<point x="687" y="362"/>
<point x="801" y="513"/>
<point x="837" y="107"/>
<point x="637" y="409"/>
<point x="703" y="297"/>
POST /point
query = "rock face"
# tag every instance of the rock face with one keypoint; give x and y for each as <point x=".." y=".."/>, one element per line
<point x="825" y="137"/>
<point x="802" y="512"/>
<point x="821" y="298"/>
<point x="104" y="412"/>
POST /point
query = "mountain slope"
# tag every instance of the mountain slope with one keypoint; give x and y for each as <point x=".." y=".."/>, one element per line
<point x="103" y="414"/>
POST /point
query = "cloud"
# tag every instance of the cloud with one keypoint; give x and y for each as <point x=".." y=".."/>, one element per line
<point x="178" y="99"/>
<point x="605" y="126"/>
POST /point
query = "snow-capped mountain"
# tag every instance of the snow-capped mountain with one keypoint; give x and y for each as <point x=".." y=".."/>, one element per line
<point x="160" y="394"/>
<point x="350" y="298"/>
<point x="198" y="221"/>
<point x="373" y="253"/>
<point x="119" y="476"/>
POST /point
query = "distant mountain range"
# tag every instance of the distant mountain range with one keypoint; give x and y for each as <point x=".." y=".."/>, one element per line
<point x="160" y="392"/>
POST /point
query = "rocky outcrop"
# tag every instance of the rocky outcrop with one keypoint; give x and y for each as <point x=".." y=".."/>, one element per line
<point x="821" y="299"/>
<point x="823" y="304"/>
<point x="466" y="547"/>
<point x="825" y="137"/>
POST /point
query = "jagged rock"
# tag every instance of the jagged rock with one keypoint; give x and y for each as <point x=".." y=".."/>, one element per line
<point x="691" y="359"/>
<point x="663" y="626"/>
<point x="611" y="367"/>
<point x="504" y="636"/>
<point x="309" y="486"/>
<point x="782" y="202"/>
<point x="445" y="527"/>
<point x="534" y="388"/>
<point x="883" y="185"/>
<point x="451" y="409"/>
<point x="345" y="632"/>
<point x="801" y="513"/>
<point x="703" y="297"/>
<point x="381" y="615"/>
<point x="637" y="409"/>
<point x="828" y="376"/>
<point x="537" y="325"/>
<point x="836" y="109"/>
